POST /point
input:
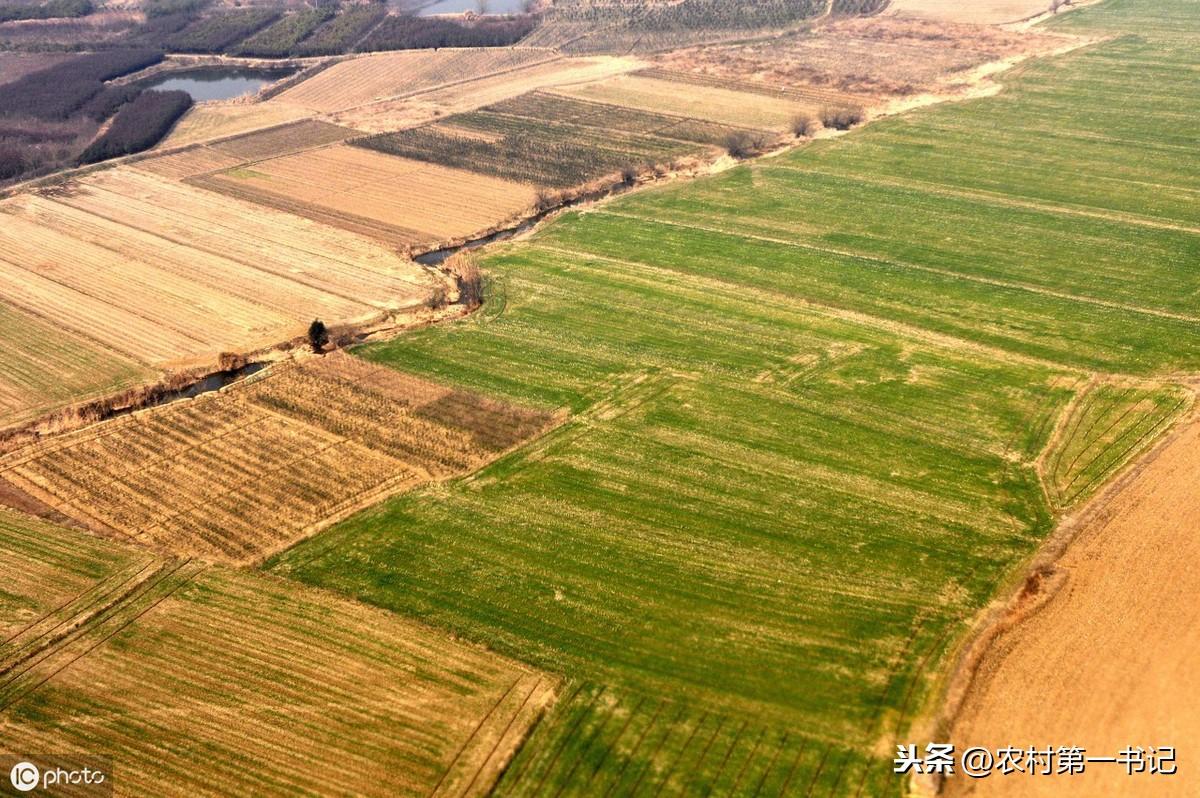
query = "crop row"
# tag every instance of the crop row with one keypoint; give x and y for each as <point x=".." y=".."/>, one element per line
<point x="281" y="38"/>
<point x="407" y="32"/>
<point x="526" y="149"/>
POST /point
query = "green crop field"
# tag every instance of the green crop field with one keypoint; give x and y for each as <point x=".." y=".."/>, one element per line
<point x="810" y="401"/>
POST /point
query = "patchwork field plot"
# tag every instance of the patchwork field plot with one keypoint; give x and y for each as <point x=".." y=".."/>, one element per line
<point x="288" y="691"/>
<point x="553" y="154"/>
<point x="303" y="135"/>
<point x="712" y="103"/>
<point x="240" y="474"/>
<point x="1107" y="425"/>
<point x="389" y="115"/>
<point x="44" y="367"/>
<point x="807" y="432"/>
<point x="362" y="80"/>
<point x="208" y="121"/>
<point x="164" y="273"/>
<point x="373" y="194"/>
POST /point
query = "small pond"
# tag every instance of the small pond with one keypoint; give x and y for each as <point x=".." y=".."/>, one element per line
<point x="457" y="6"/>
<point x="217" y="83"/>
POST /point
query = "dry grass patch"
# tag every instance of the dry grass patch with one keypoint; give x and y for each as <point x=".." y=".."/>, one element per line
<point x="398" y="200"/>
<point x="299" y="691"/>
<point x="841" y="61"/>
<point x="237" y="475"/>
<point x="362" y="80"/>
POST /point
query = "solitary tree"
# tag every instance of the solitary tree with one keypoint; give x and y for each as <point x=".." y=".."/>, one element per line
<point x="318" y="336"/>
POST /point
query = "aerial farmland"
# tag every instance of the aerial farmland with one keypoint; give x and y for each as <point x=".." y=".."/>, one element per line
<point x="599" y="398"/>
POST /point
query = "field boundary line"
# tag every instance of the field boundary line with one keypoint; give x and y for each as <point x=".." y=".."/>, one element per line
<point x="187" y="579"/>
<point x="997" y="283"/>
<point x="997" y="198"/>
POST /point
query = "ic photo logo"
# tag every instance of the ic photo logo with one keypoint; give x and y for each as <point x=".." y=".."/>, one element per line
<point x="24" y="776"/>
<point x="52" y="775"/>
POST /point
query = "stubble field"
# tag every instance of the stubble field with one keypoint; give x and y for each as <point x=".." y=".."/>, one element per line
<point x="163" y="273"/>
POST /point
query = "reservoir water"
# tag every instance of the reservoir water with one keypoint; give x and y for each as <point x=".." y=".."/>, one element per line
<point x="218" y="83"/>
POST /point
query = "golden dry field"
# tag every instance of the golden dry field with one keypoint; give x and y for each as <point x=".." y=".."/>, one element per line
<point x="236" y="475"/>
<point x="214" y="120"/>
<point x="393" y="199"/>
<point x="283" y="689"/>
<point x="164" y="273"/>
<point x="376" y="77"/>
<point x="711" y="103"/>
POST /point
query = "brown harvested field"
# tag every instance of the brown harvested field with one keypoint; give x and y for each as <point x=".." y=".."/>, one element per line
<point x="373" y="194"/>
<point x="237" y="475"/>
<point x="713" y="104"/>
<point x="1110" y="660"/>
<point x="44" y="367"/>
<point x="875" y="56"/>
<point x="193" y="161"/>
<point x="980" y="12"/>
<point x="168" y="274"/>
<point x="286" y="690"/>
<point x="388" y="115"/>
<point x="302" y="135"/>
<point x="213" y="120"/>
<point x="376" y="77"/>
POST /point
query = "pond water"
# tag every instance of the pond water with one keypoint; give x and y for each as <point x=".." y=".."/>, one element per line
<point x="456" y="6"/>
<point x="218" y="83"/>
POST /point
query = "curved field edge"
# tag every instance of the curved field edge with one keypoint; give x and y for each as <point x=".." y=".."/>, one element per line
<point x="806" y="433"/>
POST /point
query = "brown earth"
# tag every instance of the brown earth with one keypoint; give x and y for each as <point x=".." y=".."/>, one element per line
<point x="1108" y="661"/>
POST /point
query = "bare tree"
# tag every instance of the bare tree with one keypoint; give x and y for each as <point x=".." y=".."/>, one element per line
<point x="805" y="125"/>
<point x="481" y="6"/>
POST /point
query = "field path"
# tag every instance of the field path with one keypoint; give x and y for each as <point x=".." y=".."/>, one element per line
<point x="1109" y="661"/>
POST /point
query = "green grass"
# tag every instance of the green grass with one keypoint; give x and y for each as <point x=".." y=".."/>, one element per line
<point x="808" y="399"/>
<point x="1107" y="426"/>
